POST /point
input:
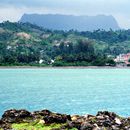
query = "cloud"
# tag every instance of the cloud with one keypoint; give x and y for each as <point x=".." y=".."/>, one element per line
<point x="13" y="9"/>
<point x="9" y="13"/>
<point x="13" y="14"/>
<point x="91" y="5"/>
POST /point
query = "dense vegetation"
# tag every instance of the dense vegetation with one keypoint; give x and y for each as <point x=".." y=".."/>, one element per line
<point x="27" y="44"/>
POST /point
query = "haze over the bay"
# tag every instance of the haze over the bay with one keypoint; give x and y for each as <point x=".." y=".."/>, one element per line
<point x="12" y="10"/>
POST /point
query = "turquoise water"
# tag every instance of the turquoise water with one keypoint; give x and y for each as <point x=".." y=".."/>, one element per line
<point x="72" y="91"/>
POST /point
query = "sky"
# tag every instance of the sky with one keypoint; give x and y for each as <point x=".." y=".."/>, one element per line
<point x="12" y="10"/>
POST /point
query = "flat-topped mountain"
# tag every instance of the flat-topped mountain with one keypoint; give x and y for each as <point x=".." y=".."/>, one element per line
<point x="68" y="22"/>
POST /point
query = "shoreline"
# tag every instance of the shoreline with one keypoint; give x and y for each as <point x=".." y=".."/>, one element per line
<point x="47" y="120"/>
<point x="63" y="67"/>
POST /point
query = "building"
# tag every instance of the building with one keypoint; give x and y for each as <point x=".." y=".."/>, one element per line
<point x="123" y="58"/>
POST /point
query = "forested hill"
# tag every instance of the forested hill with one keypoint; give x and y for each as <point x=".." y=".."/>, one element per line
<point x="27" y="44"/>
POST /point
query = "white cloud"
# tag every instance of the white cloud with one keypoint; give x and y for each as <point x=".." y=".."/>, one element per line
<point x="10" y="13"/>
<point x="123" y="20"/>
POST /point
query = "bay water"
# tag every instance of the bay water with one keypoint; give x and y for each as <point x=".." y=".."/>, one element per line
<point x="70" y="91"/>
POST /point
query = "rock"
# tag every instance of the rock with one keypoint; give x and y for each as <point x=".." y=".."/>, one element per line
<point x="100" y="117"/>
<point x="89" y="116"/>
<point x="4" y="125"/>
<point x="56" y="118"/>
<point x="86" y="126"/>
<point x="74" y="117"/>
<point x="73" y="124"/>
<point x="107" y="119"/>
<point x="117" y="121"/>
<point x="103" y="120"/>
<point x="42" y="113"/>
<point x="111" y="115"/>
<point x="104" y="123"/>
<point x="78" y="118"/>
<point x="96" y="127"/>
<point x="12" y="116"/>
<point x="42" y="122"/>
<point x="1" y="122"/>
<point x="114" y="127"/>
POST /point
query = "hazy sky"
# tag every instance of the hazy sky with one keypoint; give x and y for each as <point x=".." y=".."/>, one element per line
<point x="13" y="9"/>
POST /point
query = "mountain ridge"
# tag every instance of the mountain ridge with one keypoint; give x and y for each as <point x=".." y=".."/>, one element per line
<point x="69" y="22"/>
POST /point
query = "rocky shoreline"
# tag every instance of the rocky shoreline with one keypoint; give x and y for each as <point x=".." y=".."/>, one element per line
<point x="47" y="120"/>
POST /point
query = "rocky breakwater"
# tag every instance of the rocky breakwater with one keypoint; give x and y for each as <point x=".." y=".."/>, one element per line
<point x="45" y="119"/>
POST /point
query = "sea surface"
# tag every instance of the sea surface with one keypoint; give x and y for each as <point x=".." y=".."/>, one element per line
<point x="71" y="91"/>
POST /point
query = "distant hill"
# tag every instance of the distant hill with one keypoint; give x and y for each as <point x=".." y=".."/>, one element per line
<point x="68" y="22"/>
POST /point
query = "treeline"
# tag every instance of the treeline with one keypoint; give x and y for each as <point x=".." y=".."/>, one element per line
<point x="108" y="36"/>
<point x="81" y="54"/>
<point x="27" y="44"/>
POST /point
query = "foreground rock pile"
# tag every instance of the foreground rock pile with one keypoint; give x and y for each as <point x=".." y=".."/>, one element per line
<point x="102" y="121"/>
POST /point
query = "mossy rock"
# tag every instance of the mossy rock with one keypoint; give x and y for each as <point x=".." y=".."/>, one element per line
<point x="33" y="126"/>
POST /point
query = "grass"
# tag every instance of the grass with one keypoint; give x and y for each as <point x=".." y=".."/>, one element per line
<point x="34" y="126"/>
<point x="29" y="126"/>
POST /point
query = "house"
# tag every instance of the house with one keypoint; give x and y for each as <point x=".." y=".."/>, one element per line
<point x="123" y="58"/>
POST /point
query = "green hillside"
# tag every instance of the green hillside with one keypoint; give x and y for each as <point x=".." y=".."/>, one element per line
<point x="27" y="44"/>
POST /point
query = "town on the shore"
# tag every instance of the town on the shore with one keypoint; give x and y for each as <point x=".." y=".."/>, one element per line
<point x="123" y="60"/>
